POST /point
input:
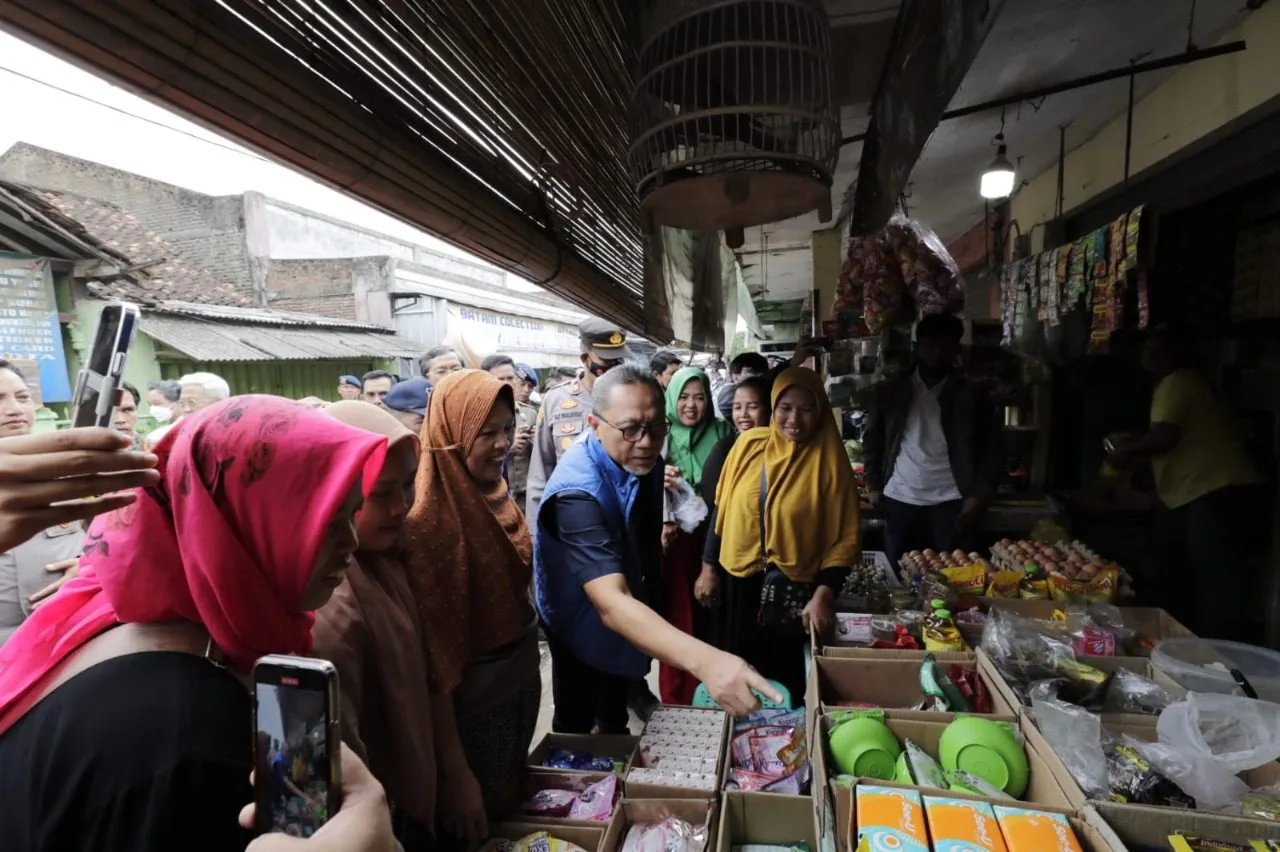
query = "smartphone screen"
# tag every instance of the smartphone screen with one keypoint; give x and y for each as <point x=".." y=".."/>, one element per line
<point x="104" y="369"/>
<point x="297" y="785"/>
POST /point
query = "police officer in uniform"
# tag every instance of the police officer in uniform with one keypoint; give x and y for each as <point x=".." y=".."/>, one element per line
<point x="526" y="420"/>
<point x="563" y="416"/>
<point x="32" y="571"/>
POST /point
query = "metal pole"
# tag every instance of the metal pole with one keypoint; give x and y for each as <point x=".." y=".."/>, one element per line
<point x="1062" y="167"/>
<point x="1128" y="132"/>
<point x="1083" y="82"/>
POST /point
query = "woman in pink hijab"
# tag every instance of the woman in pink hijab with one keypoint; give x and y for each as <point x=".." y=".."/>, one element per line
<point x="125" y="721"/>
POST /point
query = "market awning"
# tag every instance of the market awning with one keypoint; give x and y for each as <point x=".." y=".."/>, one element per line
<point x="201" y="340"/>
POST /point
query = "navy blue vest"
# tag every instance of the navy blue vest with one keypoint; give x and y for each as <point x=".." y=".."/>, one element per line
<point x="561" y="601"/>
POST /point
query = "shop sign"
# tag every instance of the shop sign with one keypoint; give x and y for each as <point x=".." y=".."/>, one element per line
<point x="500" y="332"/>
<point x="29" y="327"/>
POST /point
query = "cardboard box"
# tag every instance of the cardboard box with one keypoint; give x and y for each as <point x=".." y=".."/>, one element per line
<point x="859" y="652"/>
<point x="620" y="747"/>
<point x="1263" y="776"/>
<point x="823" y="647"/>
<point x="642" y="790"/>
<point x="1110" y="665"/>
<point x="576" y="782"/>
<point x="601" y="839"/>
<point x="891" y="684"/>
<point x="701" y="812"/>
<point x="1147" y="620"/>
<point x="1043" y="790"/>
<point x="767" y="819"/>
<point x="1136" y="827"/>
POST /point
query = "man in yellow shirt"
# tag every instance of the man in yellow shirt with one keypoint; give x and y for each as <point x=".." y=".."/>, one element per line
<point x="1204" y="476"/>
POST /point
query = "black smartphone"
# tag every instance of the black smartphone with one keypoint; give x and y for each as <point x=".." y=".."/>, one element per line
<point x="297" y="744"/>
<point x="98" y="386"/>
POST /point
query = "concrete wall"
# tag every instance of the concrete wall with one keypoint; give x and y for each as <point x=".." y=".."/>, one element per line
<point x="1196" y="101"/>
<point x="295" y="233"/>
<point x="207" y="230"/>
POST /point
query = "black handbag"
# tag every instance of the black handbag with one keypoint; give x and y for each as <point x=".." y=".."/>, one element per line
<point x="782" y="600"/>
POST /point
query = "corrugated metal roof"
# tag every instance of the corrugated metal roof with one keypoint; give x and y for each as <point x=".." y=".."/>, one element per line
<point x="257" y="316"/>
<point x="222" y="341"/>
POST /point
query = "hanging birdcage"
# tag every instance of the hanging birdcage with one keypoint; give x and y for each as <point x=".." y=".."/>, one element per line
<point x="732" y="118"/>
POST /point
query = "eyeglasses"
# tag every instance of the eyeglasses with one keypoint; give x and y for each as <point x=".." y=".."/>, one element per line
<point x="637" y="431"/>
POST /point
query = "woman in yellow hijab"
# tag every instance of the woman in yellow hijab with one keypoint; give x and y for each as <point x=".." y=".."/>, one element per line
<point x="797" y="470"/>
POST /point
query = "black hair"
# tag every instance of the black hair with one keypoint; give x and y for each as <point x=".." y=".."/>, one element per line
<point x="763" y="385"/>
<point x="170" y="389"/>
<point x="492" y="361"/>
<point x="424" y="363"/>
<point x="376" y="374"/>
<point x="133" y="391"/>
<point x="748" y="361"/>
<point x="948" y="327"/>
<point x="8" y="365"/>
<point x="661" y="360"/>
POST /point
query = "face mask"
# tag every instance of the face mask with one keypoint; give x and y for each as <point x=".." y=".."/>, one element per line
<point x="161" y="413"/>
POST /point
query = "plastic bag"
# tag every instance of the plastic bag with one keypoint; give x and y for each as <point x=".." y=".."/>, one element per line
<point x="1026" y="651"/>
<point x="874" y="269"/>
<point x="1076" y="736"/>
<point x="670" y="835"/>
<point x="931" y="276"/>
<point x="1219" y="736"/>
<point x="1130" y="692"/>
<point x="1135" y="778"/>
<point x="689" y="509"/>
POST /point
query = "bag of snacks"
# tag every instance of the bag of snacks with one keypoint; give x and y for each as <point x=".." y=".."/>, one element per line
<point x="931" y="276"/>
<point x="873" y="265"/>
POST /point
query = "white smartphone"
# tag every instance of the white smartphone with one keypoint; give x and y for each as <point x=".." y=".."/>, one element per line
<point x="98" y="387"/>
<point x="297" y="744"/>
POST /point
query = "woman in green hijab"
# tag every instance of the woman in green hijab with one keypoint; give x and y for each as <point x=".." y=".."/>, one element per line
<point x="694" y="433"/>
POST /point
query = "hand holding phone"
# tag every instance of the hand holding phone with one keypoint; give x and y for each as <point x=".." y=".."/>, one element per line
<point x="298" y="777"/>
<point x="36" y="493"/>
<point x="362" y="824"/>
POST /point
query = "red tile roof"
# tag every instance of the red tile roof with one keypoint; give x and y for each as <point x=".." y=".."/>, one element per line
<point x="112" y="227"/>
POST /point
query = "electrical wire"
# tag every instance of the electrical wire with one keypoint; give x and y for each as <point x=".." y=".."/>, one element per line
<point x="125" y="112"/>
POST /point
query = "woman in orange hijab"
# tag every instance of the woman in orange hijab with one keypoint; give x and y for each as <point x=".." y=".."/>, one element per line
<point x="470" y="565"/>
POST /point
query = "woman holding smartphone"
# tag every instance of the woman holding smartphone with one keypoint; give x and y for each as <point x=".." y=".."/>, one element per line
<point x="132" y="679"/>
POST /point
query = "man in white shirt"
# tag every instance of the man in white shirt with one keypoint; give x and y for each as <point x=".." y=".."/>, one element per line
<point x="931" y="450"/>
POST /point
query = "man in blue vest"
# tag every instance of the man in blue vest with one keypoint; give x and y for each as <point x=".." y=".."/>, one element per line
<point x="597" y="551"/>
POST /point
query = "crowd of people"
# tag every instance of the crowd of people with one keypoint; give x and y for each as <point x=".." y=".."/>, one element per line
<point x="416" y="564"/>
<point x="421" y="535"/>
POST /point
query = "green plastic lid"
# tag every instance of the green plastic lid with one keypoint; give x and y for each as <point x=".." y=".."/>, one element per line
<point x="942" y="613"/>
<point x="938" y="603"/>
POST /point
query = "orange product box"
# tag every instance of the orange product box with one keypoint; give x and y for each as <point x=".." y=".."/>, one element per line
<point x="1035" y="831"/>
<point x="890" y="818"/>
<point x="962" y="825"/>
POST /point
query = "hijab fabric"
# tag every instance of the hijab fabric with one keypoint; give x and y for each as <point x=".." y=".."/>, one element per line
<point x="470" y="552"/>
<point x="228" y="538"/>
<point x="368" y="631"/>
<point x="811" y="508"/>
<point x="689" y="446"/>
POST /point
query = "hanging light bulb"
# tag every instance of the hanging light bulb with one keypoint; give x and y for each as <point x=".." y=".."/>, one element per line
<point x="997" y="180"/>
